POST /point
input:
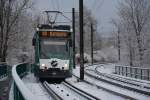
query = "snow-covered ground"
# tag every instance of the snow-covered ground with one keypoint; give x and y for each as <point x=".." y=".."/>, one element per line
<point x="3" y="79"/>
<point x="109" y="68"/>
<point x="65" y="92"/>
<point x="37" y="89"/>
<point x="93" y="90"/>
<point x="104" y="55"/>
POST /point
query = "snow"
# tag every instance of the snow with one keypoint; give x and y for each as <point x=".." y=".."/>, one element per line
<point x="11" y="97"/>
<point x="121" y="83"/>
<point x="64" y="92"/>
<point x="111" y="53"/>
<point x="110" y="69"/>
<point x="105" y="68"/>
<point x="93" y="90"/>
<point x="134" y="79"/>
<point x="106" y="54"/>
<point x="3" y="79"/>
<point x="113" y="88"/>
<point x="86" y="56"/>
<point x="22" y="87"/>
<point x="35" y="87"/>
<point x="99" y="55"/>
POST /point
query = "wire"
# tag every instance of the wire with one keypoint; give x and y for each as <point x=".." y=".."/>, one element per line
<point x="66" y="17"/>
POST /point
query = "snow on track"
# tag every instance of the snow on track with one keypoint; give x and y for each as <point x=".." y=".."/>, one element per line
<point x="116" y="88"/>
<point x="65" y="93"/>
<point x="93" y="90"/>
<point x="36" y="88"/>
<point x="112" y="87"/>
<point x="129" y="82"/>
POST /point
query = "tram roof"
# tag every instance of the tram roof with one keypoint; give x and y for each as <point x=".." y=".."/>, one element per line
<point x="54" y="30"/>
<point x="54" y="27"/>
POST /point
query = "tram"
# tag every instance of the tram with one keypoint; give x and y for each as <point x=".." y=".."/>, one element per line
<point x="53" y="52"/>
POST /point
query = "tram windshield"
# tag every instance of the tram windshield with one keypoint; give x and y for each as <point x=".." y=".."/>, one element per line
<point x="53" y="48"/>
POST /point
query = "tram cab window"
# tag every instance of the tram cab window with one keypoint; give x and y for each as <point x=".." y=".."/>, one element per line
<point x="49" y="47"/>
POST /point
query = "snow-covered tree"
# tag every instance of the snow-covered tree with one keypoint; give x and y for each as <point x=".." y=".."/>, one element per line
<point x="88" y="19"/>
<point x="10" y="11"/>
<point x="134" y="16"/>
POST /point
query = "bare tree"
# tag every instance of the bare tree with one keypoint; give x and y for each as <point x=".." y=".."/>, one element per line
<point x="88" y="19"/>
<point x="10" y="11"/>
<point x="118" y="31"/>
<point x="136" y="13"/>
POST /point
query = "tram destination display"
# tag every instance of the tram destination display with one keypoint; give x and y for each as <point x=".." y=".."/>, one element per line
<point x="53" y="34"/>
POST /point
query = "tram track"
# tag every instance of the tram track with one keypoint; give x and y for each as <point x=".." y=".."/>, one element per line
<point x="116" y="81"/>
<point x="52" y="93"/>
<point x="81" y="92"/>
<point x="107" y="90"/>
<point x="66" y="91"/>
<point x="145" y="85"/>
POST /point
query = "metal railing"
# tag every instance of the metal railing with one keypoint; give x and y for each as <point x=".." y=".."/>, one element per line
<point x="3" y="70"/>
<point x="20" y="91"/>
<point x="134" y="72"/>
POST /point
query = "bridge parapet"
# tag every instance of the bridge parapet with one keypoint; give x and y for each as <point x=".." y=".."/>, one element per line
<point x="20" y="90"/>
<point x="134" y="72"/>
<point x="4" y="70"/>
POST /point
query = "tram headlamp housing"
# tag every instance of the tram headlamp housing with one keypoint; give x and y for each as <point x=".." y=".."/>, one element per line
<point x="43" y="65"/>
<point x="66" y="66"/>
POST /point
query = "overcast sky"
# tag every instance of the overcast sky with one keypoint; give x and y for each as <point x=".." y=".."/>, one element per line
<point x="103" y="10"/>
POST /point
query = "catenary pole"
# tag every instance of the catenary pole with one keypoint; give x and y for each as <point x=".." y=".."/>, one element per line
<point x="92" y="43"/>
<point x="81" y="40"/>
<point x="73" y="28"/>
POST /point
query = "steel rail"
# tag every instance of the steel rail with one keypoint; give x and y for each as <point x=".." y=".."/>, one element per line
<point x="79" y="91"/>
<point x="121" y="79"/>
<point x="117" y="84"/>
<point x="54" y="95"/>
<point x="108" y="90"/>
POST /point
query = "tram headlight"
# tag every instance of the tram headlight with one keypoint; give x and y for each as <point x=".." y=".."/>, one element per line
<point x="43" y="65"/>
<point x="66" y="66"/>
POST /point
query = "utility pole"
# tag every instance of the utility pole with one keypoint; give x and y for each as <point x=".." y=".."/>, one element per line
<point x="119" y="55"/>
<point x="73" y="28"/>
<point x="81" y="40"/>
<point x="92" y="43"/>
